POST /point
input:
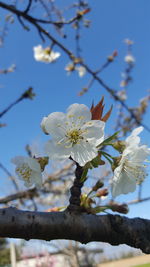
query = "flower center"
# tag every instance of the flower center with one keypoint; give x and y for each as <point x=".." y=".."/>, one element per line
<point x="24" y="171"/>
<point x="74" y="136"/>
<point x="47" y="51"/>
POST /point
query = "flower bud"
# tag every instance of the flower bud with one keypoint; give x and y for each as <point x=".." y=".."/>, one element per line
<point x="102" y="192"/>
<point x="121" y="208"/>
<point x="119" y="145"/>
<point x="98" y="185"/>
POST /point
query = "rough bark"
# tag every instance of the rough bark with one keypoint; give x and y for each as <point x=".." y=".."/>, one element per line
<point x="84" y="228"/>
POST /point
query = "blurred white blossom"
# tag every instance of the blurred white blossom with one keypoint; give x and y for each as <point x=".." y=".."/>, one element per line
<point x="129" y="59"/>
<point x="122" y="95"/>
<point x="81" y="70"/>
<point x="128" y="41"/>
<point x="74" y="134"/>
<point x="45" y="54"/>
<point x="28" y="170"/>
<point x="130" y="170"/>
<point x="72" y="67"/>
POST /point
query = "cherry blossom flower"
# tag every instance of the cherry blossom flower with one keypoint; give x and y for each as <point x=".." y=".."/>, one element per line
<point x="45" y="54"/>
<point x="28" y="170"/>
<point x="122" y="95"/>
<point x="73" y="134"/>
<point x="129" y="59"/>
<point x="81" y="70"/>
<point x="72" y="67"/>
<point x="131" y="169"/>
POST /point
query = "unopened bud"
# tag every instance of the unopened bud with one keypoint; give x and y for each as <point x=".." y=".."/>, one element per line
<point x="119" y="145"/>
<point x="29" y="93"/>
<point x="115" y="53"/>
<point x="102" y="192"/>
<point x="111" y="57"/>
<point x="98" y="185"/>
<point x="121" y="208"/>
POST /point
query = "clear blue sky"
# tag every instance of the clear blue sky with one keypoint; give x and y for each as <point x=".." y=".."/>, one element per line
<point x="112" y="22"/>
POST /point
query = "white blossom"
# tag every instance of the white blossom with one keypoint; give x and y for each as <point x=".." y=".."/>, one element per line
<point x="122" y="95"/>
<point x="81" y="70"/>
<point x="73" y="134"/>
<point x="129" y="59"/>
<point x="131" y="169"/>
<point x="72" y="67"/>
<point x="45" y="54"/>
<point x="28" y="170"/>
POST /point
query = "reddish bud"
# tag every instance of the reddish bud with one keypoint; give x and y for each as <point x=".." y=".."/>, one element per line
<point x="102" y="192"/>
<point x="115" y="53"/>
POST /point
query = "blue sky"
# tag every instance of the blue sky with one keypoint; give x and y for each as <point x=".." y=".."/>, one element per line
<point x="111" y="23"/>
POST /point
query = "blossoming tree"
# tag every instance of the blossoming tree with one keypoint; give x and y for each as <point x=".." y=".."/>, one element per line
<point x="79" y="136"/>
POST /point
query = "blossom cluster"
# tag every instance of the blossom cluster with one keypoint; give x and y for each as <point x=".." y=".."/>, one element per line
<point x="130" y="170"/>
<point x="78" y="135"/>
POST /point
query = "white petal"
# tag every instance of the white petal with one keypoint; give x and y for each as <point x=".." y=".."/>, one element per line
<point x="55" y="125"/>
<point x="83" y="152"/>
<point x="79" y="114"/>
<point x="36" y="179"/>
<point x="33" y="164"/>
<point x="133" y="139"/>
<point x="43" y="124"/>
<point x="56" y="151"/>
<point x="18" y="160"/>
<point x="38" y="52"/>
<point x="27" y="183"/>
<point x="122" y="183"/>
<point x="140" y="154"/>
<point x="81" y="70"/>
<point x="137" y="130"/>
<point x="53" y="56"/>
<point x="94" y="131"/>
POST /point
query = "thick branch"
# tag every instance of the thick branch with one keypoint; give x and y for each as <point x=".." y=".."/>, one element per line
<point x="84" y="228"/>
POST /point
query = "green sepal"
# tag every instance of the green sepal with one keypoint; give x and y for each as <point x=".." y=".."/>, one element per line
<point x="84" y="175"/>
<point x="107" y="156"/>
<point x="98" y="209"/>
<point x="97" y="161"/>
<point x="109" y="139"/>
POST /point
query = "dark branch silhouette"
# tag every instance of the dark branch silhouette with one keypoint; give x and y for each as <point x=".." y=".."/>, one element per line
<point x="84" y="228"/>
<point x="42" y="32"/>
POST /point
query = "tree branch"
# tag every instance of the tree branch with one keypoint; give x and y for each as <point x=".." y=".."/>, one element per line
<point x="84" y="228"/>
<point x="42" y="31"/>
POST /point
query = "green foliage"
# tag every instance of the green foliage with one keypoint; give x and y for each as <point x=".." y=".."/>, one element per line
<point x="4" y="256"/>
<point x="5" y="253"/>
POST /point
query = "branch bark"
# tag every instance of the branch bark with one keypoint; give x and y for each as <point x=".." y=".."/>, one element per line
<point x="84" y="228"/>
